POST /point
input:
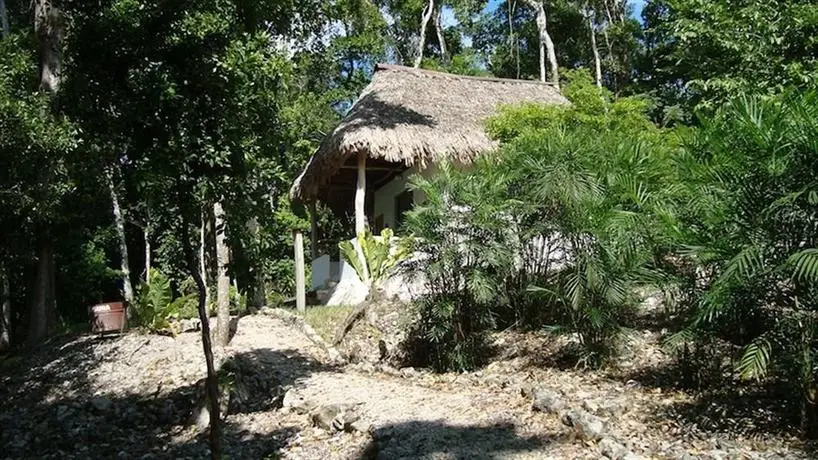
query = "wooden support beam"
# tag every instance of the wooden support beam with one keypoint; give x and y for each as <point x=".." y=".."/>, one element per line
<point x="360" y="195"/>
<point x="360" y="213"/>
<point x="300" y="283"/>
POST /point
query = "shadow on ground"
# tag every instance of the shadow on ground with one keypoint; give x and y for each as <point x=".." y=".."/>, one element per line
<point x="717" y="403"/>
<point x="750" y="411"/>
<point x="422" y="439"/>
<point x="49" y="409"/>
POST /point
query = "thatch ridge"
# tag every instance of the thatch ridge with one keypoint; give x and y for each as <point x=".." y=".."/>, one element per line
<point x="414" y="116"/>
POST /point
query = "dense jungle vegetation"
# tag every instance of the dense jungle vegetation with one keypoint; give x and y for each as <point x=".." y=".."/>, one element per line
<point x="147" y="149"/>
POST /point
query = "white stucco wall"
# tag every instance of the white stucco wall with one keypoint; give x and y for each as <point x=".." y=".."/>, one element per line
<point x="321" y="269"/>
<point x="384" y="197"/>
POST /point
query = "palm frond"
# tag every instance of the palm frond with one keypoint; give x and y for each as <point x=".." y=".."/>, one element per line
<point x="755" y="359"/>
<point x="805" y="265"/>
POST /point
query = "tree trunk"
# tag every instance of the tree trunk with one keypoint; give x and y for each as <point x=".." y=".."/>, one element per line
<point x="43" y="318"/>
<point x="441" y="39"/>
<point x="146" y="232"/>
<point x="258" y="299"/>
<point x="212" y="383"/>
<point x="5" y="310"/>
<point x="222" y="280"/>
<point x="546" y="44"/>
<point x="300" y="282"/>
<point x="428" y="11"/>
<point x="597" y="62"/>
<point x="4" y="20"/>
<point x="119" y="224"/>
<point x="809" y="412"/>
<point x="49" y="29"/>
<point x="360" y="214"/>
<point x="203" y="256"/>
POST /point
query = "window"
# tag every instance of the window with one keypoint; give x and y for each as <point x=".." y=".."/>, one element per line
<point x="403" y="203"/>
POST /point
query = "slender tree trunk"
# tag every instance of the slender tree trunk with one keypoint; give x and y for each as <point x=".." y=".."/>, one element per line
<point x="222" y="280"/>
<point x="428" y="11"/>
<point x="212" y="383"/>
<point x="258" y="299"/>
<point x="608" y="12"/>
<point x="146" y="232"/>
<point x="4" y="20"/>
<point x="49" y="29"/>
<point x="119" y="224"/>
<point x="606" y="35"/>
<point x="203" y="256"/>
<point x="597" y="62"/>
<point x="5" y="310"/>
<point x="546" y="44"/>
<point x="441" y="39"/>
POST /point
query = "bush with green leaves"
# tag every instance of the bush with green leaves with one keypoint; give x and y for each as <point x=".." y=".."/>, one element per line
<point x="464" y="263"/>
<point x="561" y="225"/>
<point x="751" y="174"/>
<point x="155" y="307"/>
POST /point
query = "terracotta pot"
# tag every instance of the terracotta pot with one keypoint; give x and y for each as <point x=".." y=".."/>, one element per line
<point x="108" y="317"/>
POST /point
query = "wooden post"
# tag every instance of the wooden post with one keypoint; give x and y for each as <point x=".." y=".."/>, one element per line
<point x="360" y="216"/>
<point x="300" y="287"/>
<point x="360" y="195"/>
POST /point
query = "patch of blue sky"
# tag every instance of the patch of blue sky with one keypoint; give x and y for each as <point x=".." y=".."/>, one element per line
<point x="449" y="19"/>
<point x="636" y="10"/>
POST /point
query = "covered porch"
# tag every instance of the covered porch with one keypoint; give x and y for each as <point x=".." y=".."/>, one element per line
<point x="365" y="193"/>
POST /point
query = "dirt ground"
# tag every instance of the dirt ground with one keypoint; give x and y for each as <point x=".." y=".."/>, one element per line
<point x="132" y="396"/>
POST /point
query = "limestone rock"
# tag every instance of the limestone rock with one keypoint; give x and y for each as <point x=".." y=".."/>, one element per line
<point x="295" y="402"/>
<point x="190" y="325"/>
<point x="613" y="450"/>
<point x="544" y="400"/>
<point x="586" y="426"/>
<point x="335" y="417"/>
<point x="604" y="408"/>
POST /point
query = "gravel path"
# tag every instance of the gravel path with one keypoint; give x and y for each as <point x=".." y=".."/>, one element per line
<point x="132" y="396"/>
<point x="412" y="414"/>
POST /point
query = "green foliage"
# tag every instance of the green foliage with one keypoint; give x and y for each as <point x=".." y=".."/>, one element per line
<point x="463" y="265"/>
<point x="562" y="224"/>
<point x="750" y="172"/>
<point x="155" y="307"/>
<point x="380" y="254"/>
<point x="702" y="54"/>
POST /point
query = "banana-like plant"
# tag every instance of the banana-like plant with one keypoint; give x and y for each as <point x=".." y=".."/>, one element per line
<point x="380" y="254"/>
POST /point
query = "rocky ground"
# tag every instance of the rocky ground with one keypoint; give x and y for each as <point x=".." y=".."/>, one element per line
<point x="136" y="396"/>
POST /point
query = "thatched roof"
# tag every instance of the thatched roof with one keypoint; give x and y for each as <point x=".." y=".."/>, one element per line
<point x="412" y="116"/>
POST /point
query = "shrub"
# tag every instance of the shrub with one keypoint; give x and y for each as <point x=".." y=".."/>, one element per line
<point x="464" y="263"/>
<point x="155" y="305"/>
<point x="562" y="224"/>
<point x="380" y="255"/>
<point x="753" y="194"/>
